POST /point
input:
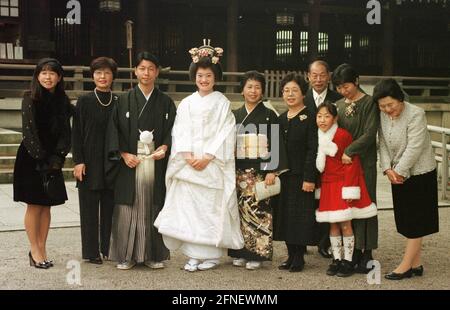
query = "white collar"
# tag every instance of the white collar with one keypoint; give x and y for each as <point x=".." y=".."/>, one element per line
<point x="248" y="112"/>
<point x="322" y="96"/>
<point x="149" y="95"/>
<point x="326" y="146"/>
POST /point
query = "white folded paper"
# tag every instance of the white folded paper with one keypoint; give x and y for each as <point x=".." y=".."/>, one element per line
<point x="262" y="191"/>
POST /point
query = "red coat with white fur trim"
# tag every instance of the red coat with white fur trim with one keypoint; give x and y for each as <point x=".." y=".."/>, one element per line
<point x="340" y="183"/>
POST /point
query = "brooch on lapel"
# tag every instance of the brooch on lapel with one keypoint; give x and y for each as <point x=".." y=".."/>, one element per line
<point x="303" y="117"/>
<point x="351" y="109"/>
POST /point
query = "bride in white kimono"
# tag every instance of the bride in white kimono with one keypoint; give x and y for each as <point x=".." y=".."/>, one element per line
<point x="200" y="214"/>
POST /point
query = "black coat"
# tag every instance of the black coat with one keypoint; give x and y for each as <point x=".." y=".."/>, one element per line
<point x="46" y="142"/>
<point x="332" y="97"/>
<point x="300" y="138"/>
<point x="88" y="137"/>
<point x="294" y="217"/>
<point x="122" y="136"/>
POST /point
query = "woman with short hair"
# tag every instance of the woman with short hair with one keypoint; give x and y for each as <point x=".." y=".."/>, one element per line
<point x="359" y="115"/>
<point x="407" y="159"/>
<point x="294" y="217"/>
<point x="96" y="198"/>
<point x="260" y="157"/>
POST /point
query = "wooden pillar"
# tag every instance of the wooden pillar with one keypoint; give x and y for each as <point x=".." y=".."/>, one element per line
<point x="388" y="39"/>
<point x="39" y="27"/>
<point x="143" y="24"/>
<point x="232" y="37"/>
<point x="314" y="27"/>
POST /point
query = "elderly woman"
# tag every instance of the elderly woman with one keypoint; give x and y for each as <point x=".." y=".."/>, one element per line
<point x="407" y="159"/>
<point x="359" y="115"/>
<point x="294" y="218"/>
<point x="88" y="138"/>
<point x="257" y="127"/>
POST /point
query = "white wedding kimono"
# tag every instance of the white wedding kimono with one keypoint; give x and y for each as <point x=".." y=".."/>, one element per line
<point x="200" y="213"/>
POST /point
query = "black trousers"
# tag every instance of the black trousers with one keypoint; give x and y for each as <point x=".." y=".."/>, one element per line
<point x="324" y="242"/>
<point x="96" y="210"/>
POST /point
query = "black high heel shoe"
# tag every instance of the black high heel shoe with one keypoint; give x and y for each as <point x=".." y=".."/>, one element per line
<point x="418" y="271"/>
<point x="399" y="276"/>
<point x="49" y="263"/>
<point x="40" y="265"/>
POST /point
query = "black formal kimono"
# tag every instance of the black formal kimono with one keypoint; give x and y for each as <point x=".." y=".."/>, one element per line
<point x="256" y="216"/>
<point x="139" y="193"/>
<point x="294" y="217"/>
<point x="95" y="198"/>
<point x="46" y="142"/>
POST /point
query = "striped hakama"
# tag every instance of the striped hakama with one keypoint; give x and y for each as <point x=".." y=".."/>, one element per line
<point x="133" y="235"/>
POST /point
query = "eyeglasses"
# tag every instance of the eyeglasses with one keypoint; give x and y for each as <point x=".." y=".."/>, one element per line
<point x="291" y="90"/>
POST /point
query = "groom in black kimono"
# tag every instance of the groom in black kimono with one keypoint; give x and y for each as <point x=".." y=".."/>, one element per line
<point x="139" y="192"/>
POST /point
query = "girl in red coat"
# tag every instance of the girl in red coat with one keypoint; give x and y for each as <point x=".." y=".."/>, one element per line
<point x="343" y="193"/>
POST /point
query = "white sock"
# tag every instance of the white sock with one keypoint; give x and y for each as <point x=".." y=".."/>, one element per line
<point x="336" y="247"/>
<point x="349" y="246"/>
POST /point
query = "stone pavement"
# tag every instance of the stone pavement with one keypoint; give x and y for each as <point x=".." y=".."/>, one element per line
<point x="12" y="213"/>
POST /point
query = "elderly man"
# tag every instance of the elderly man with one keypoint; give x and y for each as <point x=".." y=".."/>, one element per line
<point x="319" y="78"/>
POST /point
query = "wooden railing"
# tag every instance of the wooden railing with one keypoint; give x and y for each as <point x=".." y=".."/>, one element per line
<point x="442" y="150"/>
<point x="416" y="87"/>
<point x="79" y="80"/>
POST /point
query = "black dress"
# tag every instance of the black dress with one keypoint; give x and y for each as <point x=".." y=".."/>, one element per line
<point x="294" y="217"/>
<point x="46" y="142"/>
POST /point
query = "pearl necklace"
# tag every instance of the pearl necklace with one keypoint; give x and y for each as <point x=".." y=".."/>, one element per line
<point x="292" y="115"/>
<point x="99" y="101"/>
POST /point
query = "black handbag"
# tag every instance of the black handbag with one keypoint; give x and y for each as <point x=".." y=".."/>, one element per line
<point x="54" y="186"/>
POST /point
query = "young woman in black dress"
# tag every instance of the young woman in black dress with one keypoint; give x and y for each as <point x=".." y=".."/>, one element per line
<point x="46" y="112"/>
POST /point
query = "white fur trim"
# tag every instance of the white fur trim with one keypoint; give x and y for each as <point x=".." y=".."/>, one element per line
<point x="333" y="216"/>
<point x="351" y="192"/>
<point x="326" y="146"/>
<point x="317" y="193"/>
<point x="365" y="213"/>
<point x="346" y="215"/>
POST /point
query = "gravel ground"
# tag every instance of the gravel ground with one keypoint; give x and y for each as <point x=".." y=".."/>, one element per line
<point x="64" y="246"/>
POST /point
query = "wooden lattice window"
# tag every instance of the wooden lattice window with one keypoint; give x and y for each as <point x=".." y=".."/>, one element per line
<point x="9" y="8"/>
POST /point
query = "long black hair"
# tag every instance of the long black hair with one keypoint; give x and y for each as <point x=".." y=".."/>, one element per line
<point x="36" y="89"/>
